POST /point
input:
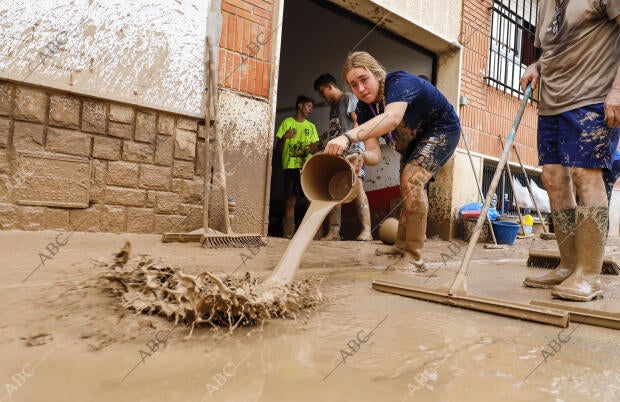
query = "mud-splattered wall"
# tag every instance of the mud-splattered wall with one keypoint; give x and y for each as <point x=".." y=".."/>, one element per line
<point x="121" y="159"/>
<point x="247" y="144"/>
<point x="149" y="53"/>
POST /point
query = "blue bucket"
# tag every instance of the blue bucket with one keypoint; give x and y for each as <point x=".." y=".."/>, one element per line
<point x="505" y="232"/>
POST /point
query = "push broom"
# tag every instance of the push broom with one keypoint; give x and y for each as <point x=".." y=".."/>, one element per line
<point x="455" y="294"/>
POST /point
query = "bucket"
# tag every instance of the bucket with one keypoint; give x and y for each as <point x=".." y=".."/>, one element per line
<point x="329" y="178"/>
<point x="505" y="232"/>
<point x="528" y="223"/>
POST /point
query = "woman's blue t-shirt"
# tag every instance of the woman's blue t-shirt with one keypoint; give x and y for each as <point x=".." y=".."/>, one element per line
<point x="427" y="111"/>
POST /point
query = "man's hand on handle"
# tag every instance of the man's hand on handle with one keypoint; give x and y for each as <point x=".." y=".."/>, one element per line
<point x="532" y="74"/>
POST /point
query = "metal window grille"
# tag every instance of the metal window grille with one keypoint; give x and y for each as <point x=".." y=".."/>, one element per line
<point x="504" y="188"/>
<point x="513" y="25"/>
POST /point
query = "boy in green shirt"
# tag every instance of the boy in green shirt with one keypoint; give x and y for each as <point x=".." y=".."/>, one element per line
<point x="297" y="140"/>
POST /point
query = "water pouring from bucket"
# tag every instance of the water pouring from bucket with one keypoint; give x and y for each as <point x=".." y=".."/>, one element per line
<point x="326" y="180"/>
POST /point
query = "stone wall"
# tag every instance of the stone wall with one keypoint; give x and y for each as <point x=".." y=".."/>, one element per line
<point x="72" y="162"/>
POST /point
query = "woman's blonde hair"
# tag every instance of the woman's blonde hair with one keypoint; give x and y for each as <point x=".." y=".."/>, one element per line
<point x="365" y="60"/>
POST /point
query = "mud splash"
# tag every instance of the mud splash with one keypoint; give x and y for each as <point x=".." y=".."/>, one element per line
<point x="150" y="287"/>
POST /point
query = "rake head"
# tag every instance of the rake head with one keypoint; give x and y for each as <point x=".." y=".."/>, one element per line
<point x="232" y="241"/>
<point x="542" y="262"/>
<point x="542" y="259"/>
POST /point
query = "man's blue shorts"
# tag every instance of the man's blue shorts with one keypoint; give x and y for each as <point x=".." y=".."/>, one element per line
<point x="577" y="138"/>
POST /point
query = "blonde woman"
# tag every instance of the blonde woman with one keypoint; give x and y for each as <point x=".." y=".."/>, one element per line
<point x="415" y="119"/>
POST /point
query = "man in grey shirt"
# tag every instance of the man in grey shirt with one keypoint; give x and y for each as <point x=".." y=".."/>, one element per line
<point x="578" y="132"/>
<point x="342" y="118"/>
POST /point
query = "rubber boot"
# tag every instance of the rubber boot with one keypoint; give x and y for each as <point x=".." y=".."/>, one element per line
<point x="584" y="284"/>
<point x="334" y="224"/>
<point x="363" y="212"/>
<point x="288" y="227"/>
<point x="415" y="232"/>
<point x="565" y="236"/>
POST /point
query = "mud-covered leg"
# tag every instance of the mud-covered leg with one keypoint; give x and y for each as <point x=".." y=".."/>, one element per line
<point x="363" y="212"/>
<point x="592" y="218"/>
<point x="334" y="217"/>
<point x="414" y="216"/>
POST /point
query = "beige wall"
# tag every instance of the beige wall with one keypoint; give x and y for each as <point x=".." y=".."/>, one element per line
<point x="614" y="214"/>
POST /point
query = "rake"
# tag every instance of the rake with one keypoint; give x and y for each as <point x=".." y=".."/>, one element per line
<point x="210" y="238"/>
<point x="229" y="239"/>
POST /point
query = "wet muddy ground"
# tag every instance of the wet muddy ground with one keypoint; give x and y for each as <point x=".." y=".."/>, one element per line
<point x="63" y="339"/>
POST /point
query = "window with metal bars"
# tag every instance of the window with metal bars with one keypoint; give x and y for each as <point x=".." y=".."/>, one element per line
<point x="504" y="190"/>
<point x="513" y="25"/>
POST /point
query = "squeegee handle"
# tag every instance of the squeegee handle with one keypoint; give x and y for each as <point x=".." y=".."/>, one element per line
<point x="458" y="284"/>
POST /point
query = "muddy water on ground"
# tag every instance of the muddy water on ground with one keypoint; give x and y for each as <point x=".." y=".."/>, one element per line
<point x="417" y="351"/>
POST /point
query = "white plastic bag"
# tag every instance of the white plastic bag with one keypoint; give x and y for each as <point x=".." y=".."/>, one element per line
<point x="541" y="196"/>
<point x="522" y="195"/>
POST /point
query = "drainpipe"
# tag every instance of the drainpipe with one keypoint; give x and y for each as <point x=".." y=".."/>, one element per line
<point x="273" y="98"/>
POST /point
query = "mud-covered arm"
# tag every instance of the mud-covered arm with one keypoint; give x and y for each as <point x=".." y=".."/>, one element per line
<point x="372" y="154"/>
<point x="373" y="128"/>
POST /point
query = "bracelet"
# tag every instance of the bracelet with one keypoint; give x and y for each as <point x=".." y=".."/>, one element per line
<point x="348" y="138"/>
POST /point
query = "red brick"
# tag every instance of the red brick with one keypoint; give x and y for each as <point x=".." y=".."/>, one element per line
<point x="229" y="70"/>
<point x="252" y="17"/>
<point x="251" y="76"/>
<point x="265" y="85"/>
<point x="258" y="78"/>
<point x="229" y="8"/>
<point x="230" y="35"/>
<point x="269" y="36"/>
<point x="237" y="71"/>
<point x="221" y="67"/>
<point x="241" y="4"/>
<point x="224" y="30"/>
<point x="260" y="4"/>
<point x="248" y="40"/>
<point x="262" y="13"/>
<point x="238" y="34"/>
